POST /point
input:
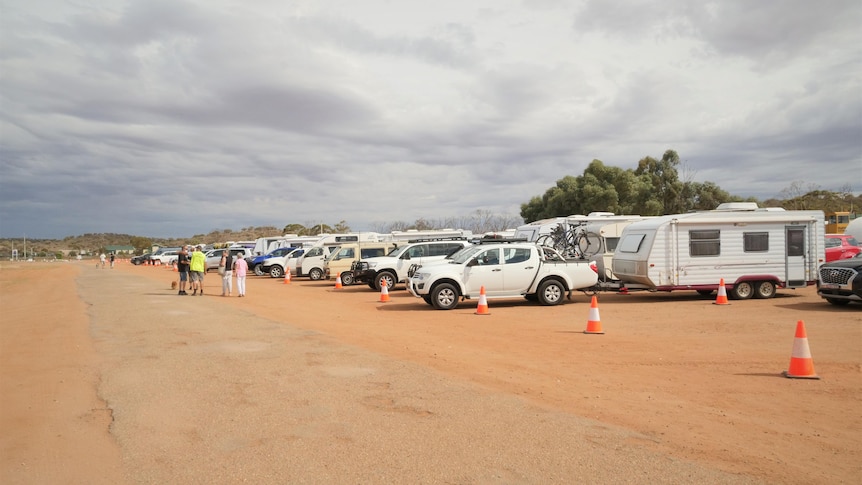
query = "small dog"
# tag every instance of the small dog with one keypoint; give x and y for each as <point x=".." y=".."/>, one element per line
<point x="173" y="285"/>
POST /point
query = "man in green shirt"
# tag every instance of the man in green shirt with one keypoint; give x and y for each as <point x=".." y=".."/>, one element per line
<point x="197" y="268"/>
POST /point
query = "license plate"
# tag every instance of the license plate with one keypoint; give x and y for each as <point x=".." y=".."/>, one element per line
<point x="829" y="286"/>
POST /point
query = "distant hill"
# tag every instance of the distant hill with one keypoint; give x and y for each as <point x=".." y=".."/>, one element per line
<point x="93" y="243"/>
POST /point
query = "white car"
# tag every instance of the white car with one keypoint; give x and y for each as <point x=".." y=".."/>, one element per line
<point x="503" y="269"/>
<point x="214" y="256"/>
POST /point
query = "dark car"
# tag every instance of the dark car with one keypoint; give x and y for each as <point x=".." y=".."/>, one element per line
<point x="840" y="282"/>
<point x="142" y="259"/>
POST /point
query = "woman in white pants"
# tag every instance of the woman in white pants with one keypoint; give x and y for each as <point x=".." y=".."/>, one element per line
<point x="226" y="279"/>
<point x="241" y="268"/>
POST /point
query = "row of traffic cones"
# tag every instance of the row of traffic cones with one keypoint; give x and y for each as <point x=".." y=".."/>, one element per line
<point x="801" y="363"/>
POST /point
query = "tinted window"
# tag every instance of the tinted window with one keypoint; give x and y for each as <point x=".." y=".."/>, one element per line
<point x="755" y="242"/>
<point x="372" y="252"/>
<point x="704" y="243"/>
<point x="516" y="255"/>
<point x="489" y="257"/>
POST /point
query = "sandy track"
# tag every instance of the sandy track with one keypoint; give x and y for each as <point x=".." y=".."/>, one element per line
<point x="302" y="383"/>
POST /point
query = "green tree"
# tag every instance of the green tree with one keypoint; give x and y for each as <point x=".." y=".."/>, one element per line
<point x="298" y="229"/>
<point x="663" y="176"/>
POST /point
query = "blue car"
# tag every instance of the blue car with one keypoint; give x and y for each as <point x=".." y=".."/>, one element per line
<point x="256" y="263"/>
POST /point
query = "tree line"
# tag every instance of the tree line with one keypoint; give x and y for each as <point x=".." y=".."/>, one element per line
<point x="655" y="188"/>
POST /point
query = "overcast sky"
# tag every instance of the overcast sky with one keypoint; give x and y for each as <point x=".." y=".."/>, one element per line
<point x="170" y="118"/>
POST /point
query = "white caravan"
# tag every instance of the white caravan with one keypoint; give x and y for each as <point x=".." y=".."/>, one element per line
<point x="754" y="251"/>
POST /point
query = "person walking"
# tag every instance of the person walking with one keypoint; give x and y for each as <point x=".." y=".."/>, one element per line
<point x="197" y="268"/>
<point x="112" y="260"/>
<point x="225" y="267"/>
<point x="240" y="267"/>
<point x="102" y="260"/>
<point x="183" y="269"/>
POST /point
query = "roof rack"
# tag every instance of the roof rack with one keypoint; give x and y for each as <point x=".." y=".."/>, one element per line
<point x="501" y="240"/>
<point x="431" y="239"/>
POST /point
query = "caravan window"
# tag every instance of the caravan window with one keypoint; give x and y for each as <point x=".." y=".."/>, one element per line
<point x="753" y="242"/>
<point x="631" y="243"/>
<point x="704" y="243"/>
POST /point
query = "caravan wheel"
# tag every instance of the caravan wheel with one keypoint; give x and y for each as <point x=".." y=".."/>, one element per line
<point x="742" y="291"/>
<point x="765" y="289"/>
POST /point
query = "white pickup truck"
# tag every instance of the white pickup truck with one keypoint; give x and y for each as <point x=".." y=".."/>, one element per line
<point x="505" y="269"/>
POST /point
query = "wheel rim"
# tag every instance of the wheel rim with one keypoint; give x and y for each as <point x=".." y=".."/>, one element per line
<point x="446" y="297"/>
<point x="766" y="289"/>
<point x="553" y="293"/>
<point x="275" y="272"/>
<point x="743" y="290"/>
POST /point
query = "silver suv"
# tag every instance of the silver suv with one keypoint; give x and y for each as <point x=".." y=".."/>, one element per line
<point x="394" y="266"/>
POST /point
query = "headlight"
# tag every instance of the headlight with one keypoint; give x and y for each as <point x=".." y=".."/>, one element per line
<point x="419" y="276"/>
<point x="371" y="265"/>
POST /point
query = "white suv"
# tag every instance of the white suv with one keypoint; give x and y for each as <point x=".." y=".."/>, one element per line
<point x="394" y="266"/>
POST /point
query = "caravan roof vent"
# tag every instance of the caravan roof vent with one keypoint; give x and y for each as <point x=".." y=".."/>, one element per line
<point x="737" y="206"/>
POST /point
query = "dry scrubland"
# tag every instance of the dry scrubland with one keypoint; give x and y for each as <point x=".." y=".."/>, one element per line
<point x="109" y="377"/>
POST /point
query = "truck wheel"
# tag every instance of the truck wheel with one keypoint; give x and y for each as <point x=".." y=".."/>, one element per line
<point x="276" y="271"/>
<point x="551" y="292"/>
<point x="347" y="278"/>
<point x="742" y="291"/>
<point x="315" y="274"/>
<point x="444" y="296"/>
<point x="764" y="289"/>
<point x="384" y="275"/>
<point x="258" y="270"/>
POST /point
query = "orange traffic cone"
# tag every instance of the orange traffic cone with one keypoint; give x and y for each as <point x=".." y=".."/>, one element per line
<point x="594" y="323"/>
<point x="384" y="291"/>
<point x="338" y="282"/>
<point x="721" y="299"/>
<point x="286" y="276"/>
<point x="482" y="309"/>
<point x="175" y="267"/>
<point x="801" y="364"/>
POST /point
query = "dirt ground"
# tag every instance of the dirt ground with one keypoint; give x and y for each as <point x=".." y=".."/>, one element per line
<point x="107" y="376"/>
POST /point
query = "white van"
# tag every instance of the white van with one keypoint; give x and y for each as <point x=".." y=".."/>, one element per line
<point x="310" y="264"/>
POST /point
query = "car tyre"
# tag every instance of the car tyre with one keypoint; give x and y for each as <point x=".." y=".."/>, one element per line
<point x="347" y="278"/>
<point x="551" y="292"/>
<point x="276" y="271"/>
<point x="384" y="275"/>
<point x="764" y="290"/>
<point x="837" y="302"/>
<point x="445" y="296"/>
<point x="258" y="270"/>
<point x="742" y="290"/>
<point x="316" y="274"/>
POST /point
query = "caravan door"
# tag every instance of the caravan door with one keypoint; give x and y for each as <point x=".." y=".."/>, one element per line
<point x="795" y="252"/>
